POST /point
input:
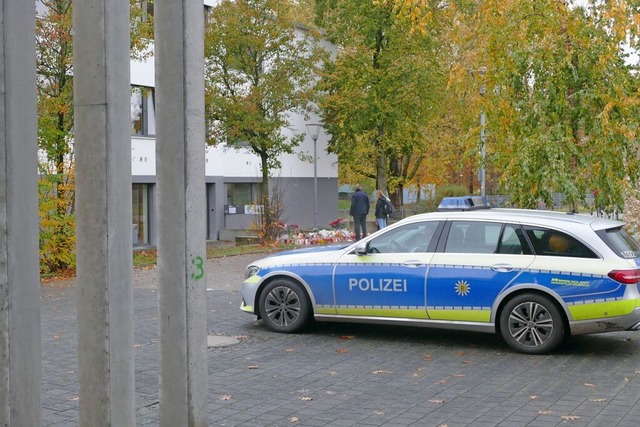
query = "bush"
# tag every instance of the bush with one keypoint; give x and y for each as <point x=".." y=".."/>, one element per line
<point x="57" y="224"/>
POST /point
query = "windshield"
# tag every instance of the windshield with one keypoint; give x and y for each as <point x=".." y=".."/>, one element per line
<point x="620" y="242"/>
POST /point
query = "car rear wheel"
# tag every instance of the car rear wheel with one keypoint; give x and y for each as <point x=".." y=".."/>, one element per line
<point x="284" y="306"/>
<point x="532" y="324"/>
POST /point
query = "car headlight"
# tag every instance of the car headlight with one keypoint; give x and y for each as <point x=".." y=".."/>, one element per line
<point x="252" y="270"/>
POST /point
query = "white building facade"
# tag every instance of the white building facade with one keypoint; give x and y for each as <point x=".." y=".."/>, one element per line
<point x="232" y="176"/>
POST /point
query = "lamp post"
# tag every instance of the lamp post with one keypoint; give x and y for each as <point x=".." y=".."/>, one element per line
<point x="483" y="121"/>
<point x="314" y="131"/>
<point x="483" y="154"/>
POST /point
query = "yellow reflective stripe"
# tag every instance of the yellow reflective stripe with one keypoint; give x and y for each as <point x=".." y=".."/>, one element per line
<point x="461" y="315"/>
<point x="602" y="309"/>
<point x="384" y="312"/>
<point x="253" y="279"/>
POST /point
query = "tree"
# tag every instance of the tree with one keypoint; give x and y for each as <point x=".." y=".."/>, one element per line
<point x="379" y="94"/>
<point x="259" y="71"/>
<point x="561" y="100"/>
<point x="54" y="51"/>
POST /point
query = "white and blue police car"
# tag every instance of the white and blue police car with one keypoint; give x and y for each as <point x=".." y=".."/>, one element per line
<point x="534" y="277"/>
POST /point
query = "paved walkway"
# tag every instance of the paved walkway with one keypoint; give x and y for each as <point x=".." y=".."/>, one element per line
<point x="355" y="375"/>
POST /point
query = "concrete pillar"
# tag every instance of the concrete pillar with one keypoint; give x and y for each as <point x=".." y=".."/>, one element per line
<point x="103" y="223"/>
<point x="20" y="368"/>
<point x="181" y="210"/>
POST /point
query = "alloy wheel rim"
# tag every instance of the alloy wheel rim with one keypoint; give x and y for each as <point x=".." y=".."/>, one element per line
<point x="282" y="306"/>
<point x="530" y="324"/>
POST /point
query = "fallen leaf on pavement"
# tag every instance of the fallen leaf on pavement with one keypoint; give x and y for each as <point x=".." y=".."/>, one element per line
<point x="253" y="366"/>
<point x="342" y="350"/>
<point x="570" y="417"/>
<point x="597" y="400"/>
<point x="380" y="372"/>
<point x="589" y="385"/>
<point x="225" y="397"/>
<point x="438" y="401"/>
<point x="306" y="398"/>
<point x="347" y="337"/>
<point x="294" y="420"/>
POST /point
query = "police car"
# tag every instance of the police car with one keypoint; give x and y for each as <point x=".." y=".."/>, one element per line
<point x="534" y="277"/>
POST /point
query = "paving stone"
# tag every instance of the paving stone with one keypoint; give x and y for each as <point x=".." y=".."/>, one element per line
<point x="380" y="376"/>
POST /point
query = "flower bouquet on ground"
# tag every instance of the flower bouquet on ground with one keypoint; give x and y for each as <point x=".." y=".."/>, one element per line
<point x="339" y="224"/>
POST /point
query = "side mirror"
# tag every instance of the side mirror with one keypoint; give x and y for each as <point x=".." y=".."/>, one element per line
<point x="361" y="248"/>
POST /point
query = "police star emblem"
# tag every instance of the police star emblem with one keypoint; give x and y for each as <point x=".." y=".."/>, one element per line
<point x="462" y="288"/>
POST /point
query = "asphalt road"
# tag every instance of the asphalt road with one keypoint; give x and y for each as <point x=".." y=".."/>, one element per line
<point x="355" y="375"/>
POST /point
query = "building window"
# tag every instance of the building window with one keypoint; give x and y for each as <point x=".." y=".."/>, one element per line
<point x="243" y="193"/>
<point x="143" y="111"/>
<point x="140" y="214"/>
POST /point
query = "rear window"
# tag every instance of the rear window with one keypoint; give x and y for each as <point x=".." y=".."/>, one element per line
<point x="620" y="242"/>
<point x="549" y="242"/>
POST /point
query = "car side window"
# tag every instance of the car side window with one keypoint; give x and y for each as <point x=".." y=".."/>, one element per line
<point x="549" y="242"/>
<point x="473" y="237"/>
<point x="513" y="241"/>
<point x="416" y="237"/>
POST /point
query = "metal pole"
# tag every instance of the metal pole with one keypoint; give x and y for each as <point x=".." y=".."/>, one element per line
<point x="482" y="154"/>
<point x="315" y="183"/>
<point x="314" y="131"/>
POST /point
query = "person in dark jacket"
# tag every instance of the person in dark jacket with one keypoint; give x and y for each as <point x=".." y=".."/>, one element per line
<point x="359" y="210"/>
<point x="381" y="215"/>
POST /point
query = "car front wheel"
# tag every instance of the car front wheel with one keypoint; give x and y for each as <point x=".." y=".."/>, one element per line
<point x="284" y="306"/>
<point x="532" y="324"/>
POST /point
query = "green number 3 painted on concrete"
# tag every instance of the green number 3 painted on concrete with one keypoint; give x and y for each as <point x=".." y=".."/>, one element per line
<point x="198" y="262"/>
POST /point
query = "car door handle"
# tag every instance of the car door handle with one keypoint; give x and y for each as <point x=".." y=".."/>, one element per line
<point x="413" y="263"/>
<point x="502" y="268"/>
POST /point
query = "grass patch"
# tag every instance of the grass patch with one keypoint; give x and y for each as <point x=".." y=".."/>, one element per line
<point x="148" y="257"/>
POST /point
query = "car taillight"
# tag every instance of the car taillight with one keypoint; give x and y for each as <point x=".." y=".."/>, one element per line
<point x="628" y="277"/>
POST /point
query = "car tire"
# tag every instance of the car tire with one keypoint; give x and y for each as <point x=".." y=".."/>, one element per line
<point x="532" y="324"/>
<point x="284" y="306"/>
